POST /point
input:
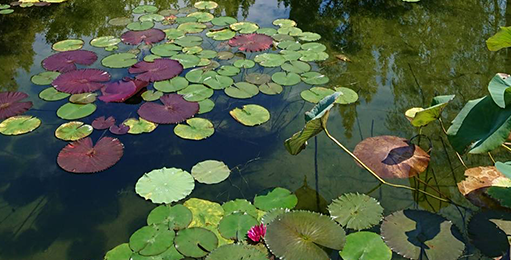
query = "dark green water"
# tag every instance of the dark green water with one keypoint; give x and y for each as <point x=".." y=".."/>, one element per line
<point x="402" y="55"/>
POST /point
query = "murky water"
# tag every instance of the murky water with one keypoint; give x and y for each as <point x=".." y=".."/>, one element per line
<point x="402" y="56"/>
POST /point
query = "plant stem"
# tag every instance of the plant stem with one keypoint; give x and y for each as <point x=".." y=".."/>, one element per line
<point x="507" y="147"/>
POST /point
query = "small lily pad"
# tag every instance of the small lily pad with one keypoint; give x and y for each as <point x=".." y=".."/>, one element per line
<point x="83" y="98"/>
<point x="72" y="111"/>
<point x="313" y="56"/>
<point x="173" y="33"/>
<point x="165" y="185"/>
<point x="365" y="246"/>
<point x="206" y="106"/>
<point x="205" y="213"/>
<point x="119" y="60"/>
<point x="210" y="172"/>
<point x="151" y="18"/>
<point x="236" y="225"/>
<point x="165" y="50"/>
<point x="195" y="129"/>
<point x="284" y="23"/>
<point x="271" y="88"/>
<point x="223" y="21"/>
<point x="316" y="94"/>
<point x="225" y="55"/>
<point x="309" y="36"/>
<point x="227" y="70"/>
<point x="240" y="205"/>
<point x="201" y="5"/>
<point x="295" y="66"/>
<point x="196" y="92"/>
<point x="244" y="27"/>
<point x="314" y="78"/>
<point x="105" y="41"/>
<point x="242" y="90"/>
<point x="267" y="31"/>
<point x="18" y="125"/>
<point x="247" y="64"/>
<point x="237" y="252"/>
<point x="140" y="26"/>
<point x="313" y="47"/>
<point x="348" y="96"/>
<point x="145" y="9"/>
<point x="188" y="41"/>
<point x="44" y="78"/>
<point x="176" y="217"/>
<point x="277" y="198"/>
<point x="286" y="79"/>
<point x="73" y="131"/>
<point x="68" y="45"/>
<point x="251" y="115"/>
<point x="191" y="27"/>
<point x="356" y="211"/>
<point x="269" y="60"/>
<point x="172" y="85"/>
<point x="195" y="242"/>
<point x="258" y="78"/>
<point x="51" y="94"/>
<point x="188" y="61"/>
<point x="139" y="126"/>
<point x="289" y="45"/>
<point x="149" y="240"/>
<point x="120" y="252"/>
<point x="290" y="55"/>
<point x="218" y="81"/>
<point x="202" y="17"/>
<point x="151" y="95"/>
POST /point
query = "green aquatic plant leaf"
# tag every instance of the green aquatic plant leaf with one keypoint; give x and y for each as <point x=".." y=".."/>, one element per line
<point x="151" y="18"/>
<point x="240" y="205"/>
<point x="292" y="31"/>
<point x="187" y="60"/>
<point x="251" y="115"/>
<point x="205" y="213"/>
<point x="309" y="36"/>
<point x="290" y="55"/>
<point x="316" y="94"/>
<point x="105" y="41"/>
<point x="267" y="31"/>
<point x="242" y="90"/>
<point x="236" y="225"/>
<point x="365" y="246"/>
<point x="228" y="70"/>
<point x="119" y="60"/>
<point x="223" y="21"/>
<point x="272" y="215"/>
<point x="277" y="198"/>
<point x="199" y="75"/>
<point x="202" y="17"/>
<point x="140" y="26"/>
<point x="289" y="45"/>
<point x="176" y="217"/>
<point x="271" y="88"/>
<point x="72" y="111"/>
<point x="500" y="88"/>
<point x="120" y="252"/>
<point x="420" y="117"/>
<point x="51" y="94"/>
<point x="166" y="50"/>
<point x="139" y="126"/>
<point x="348" y="96"/>
<point x="236" y="252"/>
<point x="18" y="125"/>
<point x="356" y="211"/>
<point x="83" y="98"/>
<point x="6" y="11"/>
<point x="151" y="95"/>
<point x="151" y="57"/>
<point x="284" y="23"/>
<point x="242" y="63"/>
<point x="191" y="27"/>
<point x="218" y="81"/>
<point x="165" y="185"/>
<point x="258" y="78"/>
<point x="119" y="21"/>
<point x="196" y="92"/>
<point x="244" y="27"/>
<point x="201" y="5"/>
<point x="210" y="172"/>
<point x="73" y="131"/>
<point x="269" y="60"/>
<point x="313" y="55"/>
<point x="150" y="240"/>
<point x="504" y="168"/>
<point x="286" y="79"/>
<point x="171" y="85"/>
<point x="501" y="194"/>
<point x="206" y="106"/>
<point x="314" y="78"/>
<point x="173" y="33"/>
<point x="44" y="78"/>
<point x="195" y="129"/>
<point x="303" y="235"/>
<point x="195" y="242"/>
<point x="313" y="47"/>
<point x="68" y="45"/>
<point x="145" y="9"/>
<point x="295" y="66"/>
<point x="412" y="233"/>
<point x="502" y="39"/>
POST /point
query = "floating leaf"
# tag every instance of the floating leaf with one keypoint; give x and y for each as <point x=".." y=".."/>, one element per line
<point x="271" y="88"/>
<point x="244" y="27"/>
<point x="303" y="235"/>
<point x="165" y="185"/>
<point x="486" y="235"/>
<point x="199" y="75"/>
<point x="313" y="56"/>
<point x="68" y="45"/>
<point x="478" y="180"/>
<point x="298" y="67"/>
<point x="84" y="98"/>
<point x="121" y="129"/>
<point x="309" y="36"/>
<point x="139" y="126"/>
<point x="119" y="60"/>
<point x="196" y="242"/>
<point x="290" y="55"/>
<point x="196" y="92"/>
<point x="18" y="125"/>
<point x="147" y="36"/>
<point x="105" y="41"/>
<point x="72" y="111"/>
<point x="251" y="115"/>
<point x="218" y="81"/>
<point x="44" y="78"/>
<point x="101" y="123"/>
<point x="236" y="225"/>
<point x="365" y="246"/>
<point x="236" y="252"/>
<point x="314" y="78"/>
<point x="151" y="18"/>
<point x="188" y="61"/>
<point x="269" y="60"/>
<point x="81" y="81"/>
<point x="205" y="5"/>
<point x="284" y="23"/>
<point x="348" y="96"/>
<point x="221" y="35"/>
<point x="173" y="33"/>
<point x="11" y="105"/>
<point x="251" y="42"/>
<point x="416" y="234"/>
<point x="151" y="95"/>
<point x="202" y="17"/>
<point x="227" y="70"/>
<point x="223" y="21"/>
<point x="500" y="194"/>
<point x="51" y="94"/>
<point x="6" y="11"/>
<point x="206" y="106"/>
<point x="225" y="55"/>
<point x="247" y="64"/>
<point x="286" y="79"/>
<point x="205" y="213"/>
<point x="239" y="205"/>
<point x="356" y="211"/>
<point x="73" y="131"/>
<point x="84" y="157"/>
<point x="272" y="215"/>
<point x="165" y="50"/>
<point x="316" y="94"/>
<point x="120" y="252"/>
<point x="277" y="198"/>
<point x="282" y="37"/>
<point x="122" y="90"/>
<point x="210" y="172"/>
<point x="119" y="21"/>
<point x="149" y="240"/>
<point x="422" y="117"/>
<point x="188" y="41"/>
<point x="175" y="109"/>
<point x="172" y="85"/>
<point x="67" y="60"/>
<point x="502" y="39"/>
<point x="176" y="217"/>
<point x="313" y="47"/>
<point x="196" y="129"/>
<point x="191" y="27"/>
<point x="159" y="69"/>
<point x="145" y="9"/>
<point x="289" y="45"/>
<point x="242" y="90"/>
<point x="258" y="78"/>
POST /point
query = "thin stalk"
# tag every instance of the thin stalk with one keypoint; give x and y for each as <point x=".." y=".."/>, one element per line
<point x="507" y="147"/>
<point x="457" y="154"/>
<point x="491" y="157"/>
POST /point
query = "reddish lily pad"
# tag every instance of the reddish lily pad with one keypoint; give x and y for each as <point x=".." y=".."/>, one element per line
<point x="121" y="129"/>
<point x="158" y="70"/>
<point x="84" y="157"/>
<point x="67" y="60"/>
<point x="122" y="90"/>
<point x="175" y="109"/>
<point x="81" y="81"/>
<point x="10" y="104"/>
<point x="251" y="42"/>
<point x="392" y="157"/>
<point x="478" y="180"/>
<point x="147" y="36"/>
<point x="101" y="123"/>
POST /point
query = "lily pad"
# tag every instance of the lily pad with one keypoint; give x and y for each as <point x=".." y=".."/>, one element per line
<point x="251" y="42"/>
<point x="251" y="115"/>
<point x="236" y="252"/>
<point x="272" y="215"/>
<point x="240" y="205"/>
<point x="147" y="36"/>
<point x="365" y="246"/>
<point x="83" y="157"/>
<point x="258" y="78"/>
<point x="119" y="21"/>
<point x="269" y="60"/>
<point x="313" y="56"/>
<point x="173" y="33"/>
<point x="11" y="105"/>
<point x="151" y="95"/>
<point x="102" y="123"/>
<point x="225" y="55"/>
<point x="84" y="98"/>
<point x="289" y="45"/>
<point x="356" y="211"/>
<point x="198" y="75"/>
<point x="120" y="252"/>
<point x="205" y="5"/>
<point x="18" y="125"/>
<point x="73" y="131"/>
<point x="295" y="66"/>
<point x="68" y="45"/>
<point x="196" y="92"/>
<point x="191" y="27"/>
<point x="44" y="78"/>
<point x="176" y="217"/>
<point x="284" y="23"/>
<point x="151" y="18"/>
<point x="196" y="242"/>
<point x="202" y="17"/>
<point x="271" y="89"/>
<point x="145" y="9"/>
<point x="227" y="70"/>
<point x="313" y="47"/>
<point x="122" y="90"/>
<point x="140" y="26"/>
<point x="290" y="55"/>
<point x="348" y="96"/>
<point x="210" y="172"/>
<point x="218" y="82"/>
<point x="149" y="240"/>
<point x="416" y="234"/>
<point x="309" y="36"/>
<point x="72" y="111"/>
<point x="105" y="41"/>
<point x="277" y="198"/>
<point x="66" y="61"/>
<point x="286" y="79"/>
<point x="303" y="235"/>
<point x="158" y="70"/>
<point x="139" y="126"/>
<point x="205" y="213"/>
<point x="223" y="21"/>
<point x="51" y="94"/>
<point x="206" y="106"/>
<point x="316" y="94"/>
<point x="187" y="60"/>
<point x="244" y="27"/>
<point x="174" y="109"/>
<point x="165" y="185"/>
<point x="165" y="50"/>
<point x="246" y="64"/>
<point x="195" y="129"/>
<point x="236" y="225"/>
<point x="81" y="81"/>
<point x="120" y="129"/>
<point x="314" y="78"/>
<point x="242" y="90"/>
<point x="172" y="85"/>
<point x="267" y="31"/>
<point x="151" y="57"/>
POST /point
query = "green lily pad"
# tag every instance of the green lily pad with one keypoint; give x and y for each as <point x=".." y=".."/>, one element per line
<point x="140" y="26"/>
<point x="120" y="252"/>
<point x="227" y="70"/>
<point x="314" y="78"/>
<point x="205" y="213"/>
<point x="309" y="36"/>
<point x="240" y="205"/>
<point x="223" y="21"/>
<point x="119" y="60"/>
<point x="199" y="75"/>
<point x="151" y="18"/>
<point x="206" y="106"/>
<point x="83" y="98"/>
<point x="119" y="21"/>
<point x="284" y="23"/>
<point x="165" y="185"/>
<point x="210" y="172"/>
<point x="151" y="95"/>
<point x="247" y="64"/>
<point x="195" y="242"/>
<point x="420" y="117"/>
<point x="290" y="55"/>
<point x="292" y="31"/>
<point x="207" y="54"/>
<point x="502" y="39"/>
<point x="188" y="61"/>
<point x="149" y="240"/>
<point x="242" y="90"/>
<point x="18" y="125"/>
<point x="145" y="9"/>
<point x="348" y="96"/>
<point x="277" y="198"/>
<point x="236" y="225"/>
<point x="286" y="79"/>
<point x="501" y="194"/>
<point x="251" y="115"/>
<point x="313" y="56"/>
<point x="267" y="31"/>
<point x="282" y="37"/>
<point x="297" y="67"/>
<point x="187" y="9"/>
<point x="176" y="217"/>
<point x="205" y="5"/>
<point x="183" y="20"/>
<point x="169" y="12"/>
<point x="222" y="35"/>
<point x="195" y="129"/>
<point x="6" y="11"/>
<point x="356" y="211"/>
<point x="218" y="81"/>
<point x="170" y="254"/>
<point x="51" y="94"/>
<point x="68" y="45"/>
<point x="416" y="234"/>
<point x="196" y="92"/>
<point x="72" y="111"/>
<point x="258" y="78"/>
<point x="44" y="78"/>
<point x="173" y="33"/>
<point x="202" y="17"/>
<point x="225" y="55"/>
<point x="204" y="62"/>
<point x="192" y="50"/>
<point x="365" y="246"/>
<point x="191" y="27"/>
<point x="139" y="126"/>
<point x="303" y="235"/>
<point x="316" y="94"/>
<point x="188" y="41"/>
<point x="165" y="50"/>
<point x="271" y="89"/>
<point x="236" y="252"/>
<point x="313" y="47"/>
<point x="105" y="41"/>
<point x="272" y="215"/>
<point x="73" y="131"/>
<point x="172" y="85"/>
<point x="269" y="60"/>
<point x="151" y="57"/>
<point x="244" y="27"/>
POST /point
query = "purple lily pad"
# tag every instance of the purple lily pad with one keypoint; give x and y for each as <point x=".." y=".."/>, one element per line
<point x="10" y="105"/>
<point x="67" y="60"/>
<point x="81" y="81"/>
<point x="120" y="129"/>
<point x="101" y="123"/>
<point x="251" y="42"/>
<point x="148" y="36"/>
<point x="158" y="70"/>
<point x="122" y="90"/>
<point x="175" y="109"/>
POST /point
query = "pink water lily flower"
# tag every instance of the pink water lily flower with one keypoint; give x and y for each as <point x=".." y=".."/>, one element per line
<point x="256" y="233"/>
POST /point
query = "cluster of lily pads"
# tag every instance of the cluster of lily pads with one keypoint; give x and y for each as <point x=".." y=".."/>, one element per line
<point x="7" y="9"/>
<point x="172" y="70"/>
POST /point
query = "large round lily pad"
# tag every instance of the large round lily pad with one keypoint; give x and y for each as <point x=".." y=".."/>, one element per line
<point x="165" y="50"/>
<point x="10" y="104"/>
<point x="172" y="85"/>
<point x="206" y="106"/>
<point x="105" y="41"/>
<point x="196" y="242"/>
<point x="244" y="27"/>
<point x="140" y="26"/>
<point x="68" y="45"/>
<point x="18" y="125"/>
<point x="44" y="78"/>
<point x="195" y="129"/>
<point x="150" y="240"/>
<point x="159" y="69"/>
<point x="356" y="211"/>
<point x="277" y="198"/>
<point x="196" y="92"/>
<point x="271" y="88"/>
<point x="165" y="185"/>
<point x="418" y="234"/>
<point x="236" y="225"/>
<point x="72" y="111"/>
<point x="81" y="81"/>
<point x="122" y="90"/>
<point x="73" y="131"/>
<point x="174" y="109"/>
<point x="270" y="60"/>
<point x="365" y="246"/>
<point x="210" y="172"/>
<point x="147" y="36"/>
<point x="303" y="235"/>
<point x="222" y="35"/>
<point x="236" y="252"/>
<point x="205" y="5"/>
<point x="286" y="79"/>
<point x="119" y="60"/>
<point x="67" y="60"/>
<point x="295" y="66"/>
<point x="176" y="217"/>
<point x="314" y="78"/>
<point x="251" y="115"/>
<point x="145" y="9"/>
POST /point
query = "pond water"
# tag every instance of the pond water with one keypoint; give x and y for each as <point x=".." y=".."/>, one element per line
<point x="402" y="55"/>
